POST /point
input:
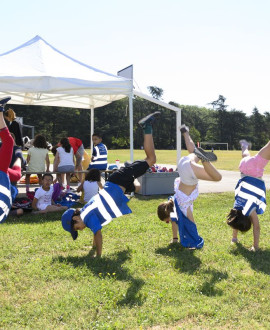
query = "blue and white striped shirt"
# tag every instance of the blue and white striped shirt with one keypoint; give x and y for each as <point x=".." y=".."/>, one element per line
<point x="5" y="196"/>
<point x="250" y="195"/>
<point x="100" y="155"/>
<point x="109" y="203"/>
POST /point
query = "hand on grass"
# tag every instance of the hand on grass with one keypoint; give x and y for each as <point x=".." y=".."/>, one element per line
<point x="254" y="249"/>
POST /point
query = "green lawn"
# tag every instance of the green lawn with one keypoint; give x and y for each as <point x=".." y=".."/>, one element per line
<point x="49" y="281"/>
<point x="227" y="160"/>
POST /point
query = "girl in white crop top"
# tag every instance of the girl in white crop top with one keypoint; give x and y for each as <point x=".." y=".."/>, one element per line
<point x="186" y="187"/>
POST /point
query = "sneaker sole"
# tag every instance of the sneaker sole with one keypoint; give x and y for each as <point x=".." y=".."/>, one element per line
<point x="205" y="156"/>
<point x="144" y="120"/>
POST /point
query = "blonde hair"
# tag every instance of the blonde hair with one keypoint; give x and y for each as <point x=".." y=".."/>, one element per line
<point x="10" y="114"/>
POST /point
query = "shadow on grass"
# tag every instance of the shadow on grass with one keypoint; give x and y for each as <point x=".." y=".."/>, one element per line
<point x="30" y="218"/>
<point x="187" y="262"/>
<point x="259" y="261"/>
<point x="152" y="197"/>
<point x="107" y="267"/>
<point x="208" y="287"/>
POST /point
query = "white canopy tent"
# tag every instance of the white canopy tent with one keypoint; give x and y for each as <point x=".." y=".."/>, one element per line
<point x="36" y="73"/>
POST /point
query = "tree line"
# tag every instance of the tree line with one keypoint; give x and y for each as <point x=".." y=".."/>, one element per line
<point x="213" y="124"/>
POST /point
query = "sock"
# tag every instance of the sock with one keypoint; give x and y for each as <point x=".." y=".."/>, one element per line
<point x="148" y="129"/>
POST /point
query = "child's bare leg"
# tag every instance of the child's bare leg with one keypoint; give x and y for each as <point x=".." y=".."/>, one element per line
<point x="68" y="179"/>
<point x="234" y="236"/>
<point x="148" y="143"/>
<point x="2" y="121"/>
<point x="265" y="151"/>
<point x="55" y="208"/>
<point x="256" y="230"/>
<point x="27" y="182"/>
<point x="189" y="142"/>
<point x="206" y="172"/>
<point x="149" y="149"/>
<point x="245" y="148"/>
<point x="62" y="179"/>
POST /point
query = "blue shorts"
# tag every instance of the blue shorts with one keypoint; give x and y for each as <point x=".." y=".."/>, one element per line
<point x="66" y="169"/>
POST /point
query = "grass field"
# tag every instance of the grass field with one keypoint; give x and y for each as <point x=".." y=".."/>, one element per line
<point x="48" y="281"/>
<point x="227" y="160"/>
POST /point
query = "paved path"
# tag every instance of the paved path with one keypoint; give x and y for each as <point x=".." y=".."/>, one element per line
<point x="228" y="183"/>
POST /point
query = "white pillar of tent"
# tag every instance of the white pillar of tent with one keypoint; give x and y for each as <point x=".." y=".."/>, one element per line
<point x="131" y="127"/>
<point x="91" y="128"/>
<point x="178" y="135"/>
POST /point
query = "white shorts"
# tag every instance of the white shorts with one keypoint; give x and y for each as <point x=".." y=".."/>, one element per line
<point x="186" y="172"/>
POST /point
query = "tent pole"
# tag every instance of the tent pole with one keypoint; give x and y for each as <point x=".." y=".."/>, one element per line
<point x="91" y="128"/>
<point x="131" y="126"/>
<point x="178" y="135"/>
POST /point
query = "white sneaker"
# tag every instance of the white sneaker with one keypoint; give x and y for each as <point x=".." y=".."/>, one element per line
<point x="245" y="144"/>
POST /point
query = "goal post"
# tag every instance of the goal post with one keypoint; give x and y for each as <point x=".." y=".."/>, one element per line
<point x="205" y="143"/>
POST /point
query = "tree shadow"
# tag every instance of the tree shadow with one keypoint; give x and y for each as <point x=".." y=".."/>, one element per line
<point x="187" y="262"/>
<point x="259" y="261"/>
<point x="105" y="267"/>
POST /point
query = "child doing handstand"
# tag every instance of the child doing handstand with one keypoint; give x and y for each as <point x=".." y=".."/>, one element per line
<point x="179" y="209"/>
<point x="111" y="201"/>
<point x="249" y="193"/>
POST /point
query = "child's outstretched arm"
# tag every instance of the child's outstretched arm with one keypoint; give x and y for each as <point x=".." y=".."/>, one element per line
<point x="48" y="163"/>
<point x="98" y="242"/>
<point x="34" y="204"/>
<point x="256" y="230"/>
<point x="174" y="232"/>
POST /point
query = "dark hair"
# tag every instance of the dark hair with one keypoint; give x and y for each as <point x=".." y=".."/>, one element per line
<point x="164" y="209"/>
<point x="98" y="135"/>
<point x="65" y="144"/>
<point x="76" y="212"/>
<point x="47" y="174"/>
<point x="40" y="142"/>
<point x="53" y="150"/>
<point x="238" y="221"/>
<point x="93" y="175"/>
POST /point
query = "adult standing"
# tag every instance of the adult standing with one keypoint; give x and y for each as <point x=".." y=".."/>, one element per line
<point x="14" y="126"/>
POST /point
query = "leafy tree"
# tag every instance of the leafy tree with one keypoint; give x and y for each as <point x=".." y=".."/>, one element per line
<point x="258" y="129"/>
<point x="156" y="92"/>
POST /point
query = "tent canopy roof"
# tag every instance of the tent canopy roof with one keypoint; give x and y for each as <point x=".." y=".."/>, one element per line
<point x="36" y="73"/>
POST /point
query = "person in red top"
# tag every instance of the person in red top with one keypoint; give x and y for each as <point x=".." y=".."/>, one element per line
<point x="78" y="150"/>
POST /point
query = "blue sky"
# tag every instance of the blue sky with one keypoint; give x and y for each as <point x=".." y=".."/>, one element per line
<point x="193" y="49"/>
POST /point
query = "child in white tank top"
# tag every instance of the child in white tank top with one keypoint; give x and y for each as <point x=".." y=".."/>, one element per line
<point x="91" y="184"/>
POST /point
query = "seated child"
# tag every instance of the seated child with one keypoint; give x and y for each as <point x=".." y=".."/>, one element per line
<point x="249" y="194"/>
<point x="90" y="185"/>
<point x="43" y="202"/>
<point x="179" y="209"/>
